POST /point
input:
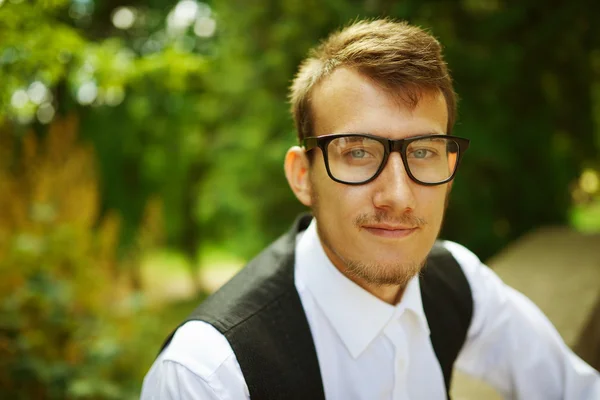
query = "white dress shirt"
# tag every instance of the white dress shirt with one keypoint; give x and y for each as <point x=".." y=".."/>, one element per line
<point x="369" y="350"/>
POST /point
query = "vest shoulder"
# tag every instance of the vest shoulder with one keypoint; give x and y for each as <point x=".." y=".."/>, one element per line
<point x="262" y="281"/>
<point x="442" y="268"/>
<point x="448" y="305"/>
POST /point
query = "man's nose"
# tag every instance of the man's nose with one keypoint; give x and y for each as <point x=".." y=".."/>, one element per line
<point x="394" y="186"/>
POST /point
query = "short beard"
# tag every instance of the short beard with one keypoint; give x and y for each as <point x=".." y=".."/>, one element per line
<point x="376" y="274"/>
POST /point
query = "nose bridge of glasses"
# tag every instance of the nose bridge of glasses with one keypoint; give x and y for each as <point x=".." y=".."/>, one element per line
<point x="395" y="165"/>
<point x="396" y="145"/>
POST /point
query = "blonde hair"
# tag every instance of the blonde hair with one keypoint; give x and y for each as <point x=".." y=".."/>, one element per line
<point x="404" y="59"/>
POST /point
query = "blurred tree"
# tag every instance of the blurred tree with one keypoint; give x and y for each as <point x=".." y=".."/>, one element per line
<point x="69" y="309"/>
<point x="187" y="102"/>
<point x="138" y="93"/>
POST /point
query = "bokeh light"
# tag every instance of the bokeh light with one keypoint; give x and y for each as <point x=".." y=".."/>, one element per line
<point x="19" y="99"/>
<point x="187" y="13"/>
<point x="38" y="93"/>
<point x="589" y="181"/>
<point x="123" y="18"/>
<point x="81" y="9"/>
<point x="87" y="93"/>
<point x="205" y="27"/>
<point x="114" y="96"/>
<point x="45" y="113"/>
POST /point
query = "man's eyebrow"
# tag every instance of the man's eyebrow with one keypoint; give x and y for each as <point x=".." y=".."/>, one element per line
<point x="425" y="134"/>
<point x="356" y="138"/>
<point x="419" y="135"/>
<point x="434" y="139"/>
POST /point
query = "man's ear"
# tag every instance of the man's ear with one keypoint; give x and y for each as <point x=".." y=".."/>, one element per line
<point x="296" y="168"/>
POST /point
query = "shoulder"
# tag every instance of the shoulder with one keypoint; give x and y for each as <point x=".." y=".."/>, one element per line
<point x="490" y="294"/>
<point x="486" y="287"/>
<point x="469" y="262"/>
<point x="465" y="257"/>
<point x="199" y="347"/>
<point x="484" y="282"/>
<point x="198" y="359"/>
<point x="452" y="267"/>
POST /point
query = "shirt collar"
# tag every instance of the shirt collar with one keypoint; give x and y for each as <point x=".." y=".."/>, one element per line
<point x="356" y="315"/>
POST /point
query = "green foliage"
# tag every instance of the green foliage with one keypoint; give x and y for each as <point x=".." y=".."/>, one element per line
<point x="145" y="105"/>
<point x="587" y="218"/>
<point x="71" y="313"/>
<point x="32" y="47"/>
<point x="203" y="122"/>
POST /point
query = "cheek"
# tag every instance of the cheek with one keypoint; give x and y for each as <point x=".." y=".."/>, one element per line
<point x="337" y="204"/>
<point x="432" y="201"/>
<point x="347" y="200"/>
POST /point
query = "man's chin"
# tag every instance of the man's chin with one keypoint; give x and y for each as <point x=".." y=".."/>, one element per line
<point x="383" y="272"/>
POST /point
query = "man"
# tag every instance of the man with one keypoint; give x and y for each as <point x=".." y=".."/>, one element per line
<point x="361" y="302"/>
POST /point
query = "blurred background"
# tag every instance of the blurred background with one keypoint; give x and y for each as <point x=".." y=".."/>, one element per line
<point x="141" y="150"/>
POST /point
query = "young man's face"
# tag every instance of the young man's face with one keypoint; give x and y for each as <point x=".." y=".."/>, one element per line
<point x="379" y="232"/>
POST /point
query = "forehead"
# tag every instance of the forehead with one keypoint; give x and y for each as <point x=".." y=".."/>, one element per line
<point x="349" y="102"/>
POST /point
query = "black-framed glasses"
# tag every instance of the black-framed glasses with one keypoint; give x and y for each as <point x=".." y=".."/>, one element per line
<point x="356" y="159"/>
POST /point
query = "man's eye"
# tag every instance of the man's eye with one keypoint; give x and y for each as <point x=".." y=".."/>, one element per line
<point x="422" y="153"/>
<point x="358" y="153"/>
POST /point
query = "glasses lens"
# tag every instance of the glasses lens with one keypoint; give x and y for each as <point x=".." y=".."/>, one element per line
<point x="354" y="159"/>
<point x="432" y="160"/>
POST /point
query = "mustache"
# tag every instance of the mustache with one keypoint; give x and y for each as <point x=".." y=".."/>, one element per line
<point x="386" y="218"/>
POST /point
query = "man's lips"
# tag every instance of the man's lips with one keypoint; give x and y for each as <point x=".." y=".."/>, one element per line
<point x="391" y="231"/>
